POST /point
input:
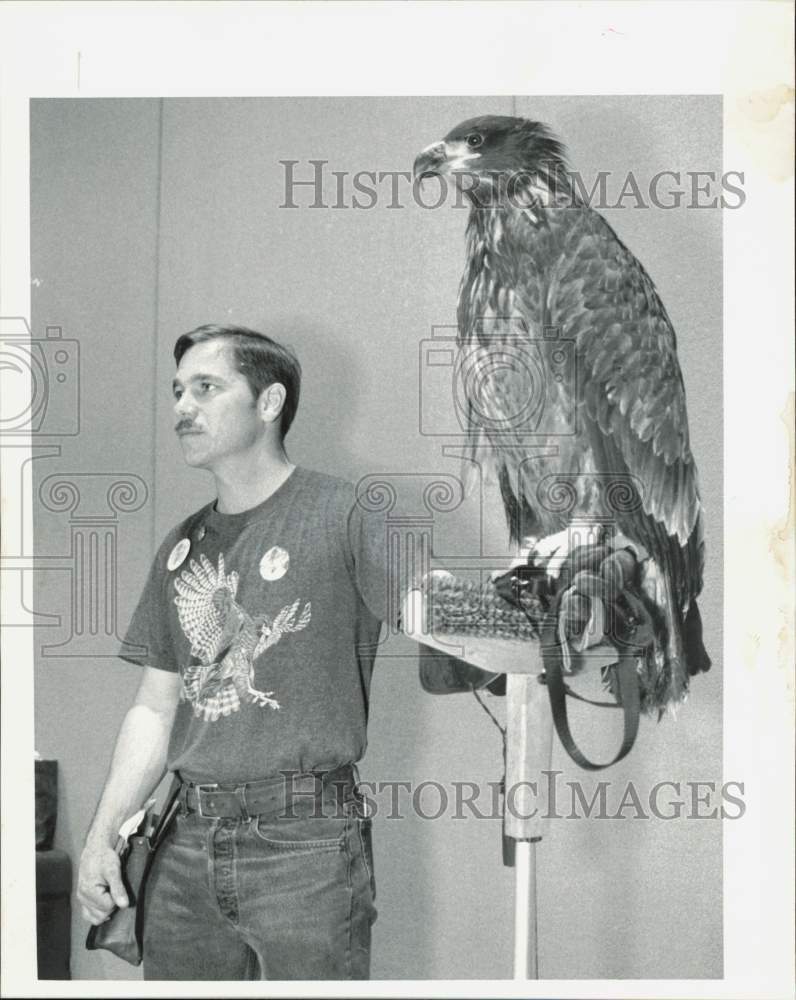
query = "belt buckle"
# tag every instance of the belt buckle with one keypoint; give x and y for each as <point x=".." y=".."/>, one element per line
<point x="200" y="789"/>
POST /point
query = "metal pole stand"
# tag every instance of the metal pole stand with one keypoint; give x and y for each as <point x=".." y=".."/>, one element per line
<point x="529" y="746"/>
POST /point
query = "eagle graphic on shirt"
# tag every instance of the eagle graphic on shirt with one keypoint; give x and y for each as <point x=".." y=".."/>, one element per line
<point x="225" y="640"/>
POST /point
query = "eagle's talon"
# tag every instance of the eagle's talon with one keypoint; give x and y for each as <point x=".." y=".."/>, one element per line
<point x="263" y="699"/>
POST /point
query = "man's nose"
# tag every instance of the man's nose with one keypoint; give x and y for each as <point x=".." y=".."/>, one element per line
<point x="184" y="405"/>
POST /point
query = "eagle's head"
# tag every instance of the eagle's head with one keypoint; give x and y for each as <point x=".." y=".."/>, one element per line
<point x="492" y="150"/>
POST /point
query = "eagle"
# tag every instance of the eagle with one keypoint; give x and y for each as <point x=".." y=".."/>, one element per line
<point x="573" y="393"/>
<point x="225" y="640"/>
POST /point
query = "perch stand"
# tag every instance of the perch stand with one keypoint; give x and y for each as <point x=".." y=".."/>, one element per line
<point x="529" y="740"/>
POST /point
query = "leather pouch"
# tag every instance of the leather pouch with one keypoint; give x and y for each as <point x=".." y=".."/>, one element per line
<point x="441" y="674"/>
<point x="123" y="932"/>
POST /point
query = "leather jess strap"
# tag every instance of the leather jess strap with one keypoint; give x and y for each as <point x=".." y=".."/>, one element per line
<point x="638" y="636"/>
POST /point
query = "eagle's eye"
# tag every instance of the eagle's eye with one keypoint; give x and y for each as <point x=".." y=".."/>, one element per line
<point x="474" y="140"/>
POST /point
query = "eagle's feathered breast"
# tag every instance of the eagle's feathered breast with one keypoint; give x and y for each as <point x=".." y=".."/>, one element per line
<point x="524" y="365"/>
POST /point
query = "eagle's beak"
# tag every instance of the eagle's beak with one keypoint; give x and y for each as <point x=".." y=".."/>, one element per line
<point x="429" y="161"/>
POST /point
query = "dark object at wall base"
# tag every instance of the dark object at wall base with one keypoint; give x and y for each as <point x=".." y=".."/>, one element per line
<point x="53" y="914"/>
<point x="46" y="782"/>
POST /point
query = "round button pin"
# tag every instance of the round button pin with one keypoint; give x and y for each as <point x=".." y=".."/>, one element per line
<point x="274" y="564"/>
<point x="178" y="554"/>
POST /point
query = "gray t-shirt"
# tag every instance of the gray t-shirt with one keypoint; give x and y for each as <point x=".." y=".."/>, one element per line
<point x="272" y="617"/>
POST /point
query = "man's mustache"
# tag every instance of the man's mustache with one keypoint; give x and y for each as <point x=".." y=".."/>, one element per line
<point x="185" y="425"/>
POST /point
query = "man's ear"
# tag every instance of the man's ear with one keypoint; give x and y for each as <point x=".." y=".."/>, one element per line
<point x="271" y="402"/>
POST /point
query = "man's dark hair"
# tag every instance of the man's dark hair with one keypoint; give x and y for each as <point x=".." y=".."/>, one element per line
<point x="261" y="360"/>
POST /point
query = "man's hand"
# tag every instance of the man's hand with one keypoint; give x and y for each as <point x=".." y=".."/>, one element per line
<point x="99" y="884"/>
<point x="138" y="764"/>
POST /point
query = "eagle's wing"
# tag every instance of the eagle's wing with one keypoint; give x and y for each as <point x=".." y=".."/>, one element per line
<point x="632" y="393"/>
<point x="285" y="621"/>
<point x="206" y="607"/>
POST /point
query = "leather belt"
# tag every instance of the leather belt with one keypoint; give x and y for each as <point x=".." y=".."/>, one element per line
<point x="268" y="797"/>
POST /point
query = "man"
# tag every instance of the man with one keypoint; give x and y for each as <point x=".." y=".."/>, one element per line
<point x="260" y="617"/>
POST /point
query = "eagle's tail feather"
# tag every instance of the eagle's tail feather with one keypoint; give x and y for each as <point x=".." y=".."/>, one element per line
<point x="696" y="656"/>
<point x="665" y="679"/>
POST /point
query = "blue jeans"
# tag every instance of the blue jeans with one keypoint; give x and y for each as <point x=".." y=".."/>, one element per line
<point x="263" y="898"/>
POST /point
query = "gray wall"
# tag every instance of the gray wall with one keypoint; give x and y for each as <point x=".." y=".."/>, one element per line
<point x="151" y="217"/>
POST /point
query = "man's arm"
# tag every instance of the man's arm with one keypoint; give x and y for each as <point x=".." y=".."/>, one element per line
<point x="137" y="766"/>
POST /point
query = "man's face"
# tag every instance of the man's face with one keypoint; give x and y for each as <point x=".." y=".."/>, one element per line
<point x="216" y="412"/>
